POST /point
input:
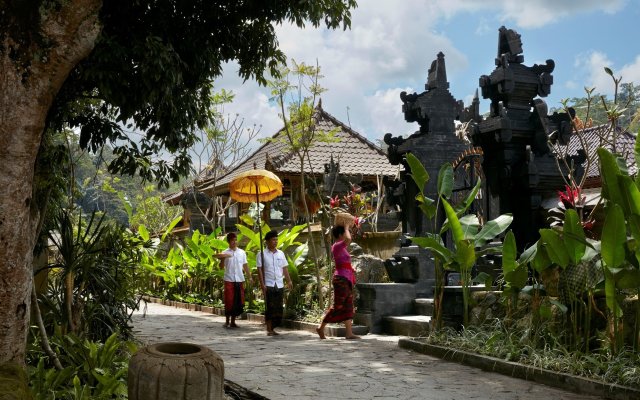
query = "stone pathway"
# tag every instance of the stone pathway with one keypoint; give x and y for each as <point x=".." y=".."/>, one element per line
<point x="297" y="365"/>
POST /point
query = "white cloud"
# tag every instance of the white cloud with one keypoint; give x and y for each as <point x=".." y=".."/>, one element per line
<point x="535" y="14"/>
<point x="571" y="85"/>
<point x="391" y="45"/>
<point x="385" y="110"/>
<point x="630" y="72"/>
<point x="251" y="104"/>
<point x="593" y="64"/>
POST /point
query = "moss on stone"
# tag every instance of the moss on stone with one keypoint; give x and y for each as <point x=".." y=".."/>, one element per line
<point x="14" y="383"/>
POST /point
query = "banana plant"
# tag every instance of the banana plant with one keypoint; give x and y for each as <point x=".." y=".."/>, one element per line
<point x="296" y="262"/>
<point x="468" y="245"/>
<point x="514" y="270"/>
<point x="620" y="236"/>
<point x="286" y="238"/>
<point x="202" y="266"/>
<point x="468" y="237"/>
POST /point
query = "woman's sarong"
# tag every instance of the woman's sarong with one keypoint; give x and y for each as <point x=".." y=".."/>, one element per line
<point x="274" y="308"/>
<point x="233" y="298"/>
<point x="342" y="308"/>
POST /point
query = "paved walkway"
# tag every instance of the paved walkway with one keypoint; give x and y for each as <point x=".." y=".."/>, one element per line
<point x="297" y="365"/>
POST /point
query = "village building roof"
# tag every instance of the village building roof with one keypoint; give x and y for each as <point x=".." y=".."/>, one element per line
<point x="595" y="137"/>
<point x="355" y="154"/>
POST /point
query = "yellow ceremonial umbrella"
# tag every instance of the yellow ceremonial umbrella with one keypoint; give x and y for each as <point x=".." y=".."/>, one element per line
<point x="257" y="185"/>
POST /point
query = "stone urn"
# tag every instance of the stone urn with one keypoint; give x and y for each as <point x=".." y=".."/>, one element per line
<point x="176" y="371"/>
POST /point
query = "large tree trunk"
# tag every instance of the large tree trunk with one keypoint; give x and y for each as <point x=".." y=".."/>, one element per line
<point x="31" y="74"/>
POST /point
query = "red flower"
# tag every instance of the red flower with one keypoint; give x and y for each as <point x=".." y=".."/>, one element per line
<point x="587" y="225"/>
<point x="569" y="196"/>
<point x="334" y="202"/>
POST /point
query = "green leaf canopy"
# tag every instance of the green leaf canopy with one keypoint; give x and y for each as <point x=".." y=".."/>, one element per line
<point x="152" y="69"/>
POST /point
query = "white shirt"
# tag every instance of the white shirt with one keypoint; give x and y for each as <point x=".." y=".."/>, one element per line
<point x="233" y="265"/>
<point x="273" y="264"/>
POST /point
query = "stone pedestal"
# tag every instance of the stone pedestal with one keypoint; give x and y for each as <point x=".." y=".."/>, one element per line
<point x="377" y="300"/>
<point x="413" y="264"/>
<point x="412" y="270"/>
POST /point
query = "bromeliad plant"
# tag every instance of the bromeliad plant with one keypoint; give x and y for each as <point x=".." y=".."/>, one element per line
<point x="468" y="238"/>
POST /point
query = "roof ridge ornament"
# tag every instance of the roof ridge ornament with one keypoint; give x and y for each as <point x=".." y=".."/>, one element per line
<point x="437" y="74"/>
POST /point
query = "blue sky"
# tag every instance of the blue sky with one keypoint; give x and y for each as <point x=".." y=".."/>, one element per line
<point x="392" y="43"/>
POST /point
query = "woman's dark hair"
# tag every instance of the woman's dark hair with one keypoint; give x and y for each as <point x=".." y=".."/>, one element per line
<point x="337" y="231"/>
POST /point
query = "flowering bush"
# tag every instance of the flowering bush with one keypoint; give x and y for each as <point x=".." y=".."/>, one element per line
<point x="572" y="198"/>
<point x="355" y="203"/>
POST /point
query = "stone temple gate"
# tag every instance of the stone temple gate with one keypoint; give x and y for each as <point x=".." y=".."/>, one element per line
<point x="510" y="144"/>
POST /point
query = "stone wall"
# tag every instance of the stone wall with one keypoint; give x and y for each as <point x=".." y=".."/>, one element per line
<point x="369" y="269"/>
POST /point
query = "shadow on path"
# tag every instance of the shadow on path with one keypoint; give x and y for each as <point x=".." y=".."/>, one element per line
<point x="298" y="365"/>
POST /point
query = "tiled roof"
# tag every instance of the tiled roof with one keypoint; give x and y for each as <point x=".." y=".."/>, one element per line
<point x="355" y="154"/>
<point x="625" y="143"/>
<point x="173" y="198"/>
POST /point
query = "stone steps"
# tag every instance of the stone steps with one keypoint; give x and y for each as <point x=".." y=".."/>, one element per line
<point x="407" y="325"/>
<point x="417" y="324"/>
<point x="423" y="306"/>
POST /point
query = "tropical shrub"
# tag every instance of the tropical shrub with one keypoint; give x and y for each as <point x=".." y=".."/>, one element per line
<point x="93" y="278"/>
<point x="189" y="272"/>
<point x="564" y="247"/>
<point x="91" y="370"/>
<point x="620" y="240"/>
<point x="299" y="266"/>
<point x="505" y="341"/>
<point x="468" y="238"/>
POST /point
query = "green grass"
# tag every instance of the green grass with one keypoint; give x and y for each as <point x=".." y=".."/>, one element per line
<point x="542" y="350"/>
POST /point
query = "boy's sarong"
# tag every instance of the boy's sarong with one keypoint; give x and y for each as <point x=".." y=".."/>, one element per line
<point x="233" y="298"/>
<point x="274" y="308"/>
<point x="342" y="308"/>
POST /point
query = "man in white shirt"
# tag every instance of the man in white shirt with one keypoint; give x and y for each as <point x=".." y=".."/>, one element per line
<point x="234" y="260"/>
<point x="272" y="268"/>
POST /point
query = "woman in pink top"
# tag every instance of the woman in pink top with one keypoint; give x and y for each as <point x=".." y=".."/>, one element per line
<point x="344" y="279"/>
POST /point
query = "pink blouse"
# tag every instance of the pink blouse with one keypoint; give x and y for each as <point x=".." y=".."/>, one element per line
<point x="342" y="259"/>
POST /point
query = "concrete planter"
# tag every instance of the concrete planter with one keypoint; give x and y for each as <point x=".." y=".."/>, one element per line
<point x="176" y="371"/>
<point x="380" y="244"/>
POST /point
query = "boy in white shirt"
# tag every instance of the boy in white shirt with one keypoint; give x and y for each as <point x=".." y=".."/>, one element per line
<point x="272" y="268"/>
<point x="234" y="260"/>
